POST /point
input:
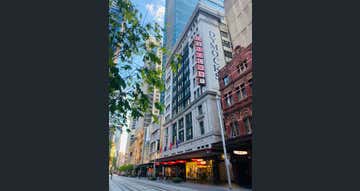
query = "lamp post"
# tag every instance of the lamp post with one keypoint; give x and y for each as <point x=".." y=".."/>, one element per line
<point x="227" y="163"/>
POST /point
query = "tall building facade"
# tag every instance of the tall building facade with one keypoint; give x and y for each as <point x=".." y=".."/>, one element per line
<point x="239" y="17"/>
<point x="236" y="82"/>
<point x="191" y="116"/>
<point x="177" y="14"/>
<point x="142" y="129"/>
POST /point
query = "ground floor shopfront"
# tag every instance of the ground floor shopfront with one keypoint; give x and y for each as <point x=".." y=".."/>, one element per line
<point x="239" y="151"/>
<point x="207" y="165"/>
<point x="202" y="166"/>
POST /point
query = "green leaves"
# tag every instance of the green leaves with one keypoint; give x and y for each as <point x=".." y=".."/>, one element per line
<point x="129" y="39"/>
<point x="126" y="167"/>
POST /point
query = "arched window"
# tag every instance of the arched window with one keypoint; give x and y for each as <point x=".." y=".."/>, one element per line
<point x="248" y="124"/>
<point x="234" y="129"/>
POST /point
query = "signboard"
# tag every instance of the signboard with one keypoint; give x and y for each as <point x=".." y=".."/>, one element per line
<point x="199" y="59"/>
<point x="215" y="53"/>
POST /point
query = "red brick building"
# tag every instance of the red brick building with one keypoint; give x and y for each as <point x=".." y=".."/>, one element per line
<point x="236" y="81"/>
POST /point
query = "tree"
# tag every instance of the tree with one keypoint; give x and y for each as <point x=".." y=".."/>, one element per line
<point x="129" y="39"/>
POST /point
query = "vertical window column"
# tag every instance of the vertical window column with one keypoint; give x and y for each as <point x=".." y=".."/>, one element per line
<point x="174" y="133"/>
<point x="189" y="131"/>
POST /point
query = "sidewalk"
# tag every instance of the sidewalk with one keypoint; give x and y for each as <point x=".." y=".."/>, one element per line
<point x="200" y="187"/>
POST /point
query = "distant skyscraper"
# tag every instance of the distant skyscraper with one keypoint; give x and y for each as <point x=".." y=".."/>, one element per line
<point x="177" y="14"/>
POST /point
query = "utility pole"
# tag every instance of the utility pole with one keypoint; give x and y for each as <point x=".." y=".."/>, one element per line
<point x="227" y="163"/>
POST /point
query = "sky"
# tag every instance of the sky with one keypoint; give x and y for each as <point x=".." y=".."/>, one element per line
<point x="152" y="10"/>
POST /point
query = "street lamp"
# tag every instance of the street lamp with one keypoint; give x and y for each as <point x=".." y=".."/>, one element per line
<point x="227" y="163"/>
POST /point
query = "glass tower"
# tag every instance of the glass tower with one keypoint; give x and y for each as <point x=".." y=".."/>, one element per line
<point x="177" y="14"/>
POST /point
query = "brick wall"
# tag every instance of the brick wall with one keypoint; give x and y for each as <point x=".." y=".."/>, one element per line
<point x="239" y="109"/>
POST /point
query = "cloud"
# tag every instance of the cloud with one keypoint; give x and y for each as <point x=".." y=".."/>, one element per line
<point x="159" y="15"/>
<point x="156" y="11"/>
<point x="150" y="8"/>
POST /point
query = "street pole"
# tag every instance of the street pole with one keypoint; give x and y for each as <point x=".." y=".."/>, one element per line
<point x="227" y="163"/>
<point x="154" y="166"/>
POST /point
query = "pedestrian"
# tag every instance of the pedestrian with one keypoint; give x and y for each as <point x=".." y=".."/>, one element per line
<point x="111" y="175"/>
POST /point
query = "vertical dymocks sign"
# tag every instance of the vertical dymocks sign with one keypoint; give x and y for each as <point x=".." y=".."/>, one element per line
<point x="214" y="53"/>
<point x="199" y="58"/>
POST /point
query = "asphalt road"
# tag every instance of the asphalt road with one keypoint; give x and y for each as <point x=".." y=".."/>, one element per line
<point x="121" y="183"/>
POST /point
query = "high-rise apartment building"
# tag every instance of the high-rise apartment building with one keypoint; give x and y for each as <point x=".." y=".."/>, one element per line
<point x="239" y="18"/>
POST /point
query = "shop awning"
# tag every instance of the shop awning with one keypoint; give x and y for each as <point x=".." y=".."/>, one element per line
<point x="189" y="155"/>
<point x="241" y="142"/>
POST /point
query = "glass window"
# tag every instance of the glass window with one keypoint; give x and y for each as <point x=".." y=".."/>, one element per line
<point x="174" y="133"/>
<point x="250" y="83"/>
<point x="229" y="99"/>
<point x="227" y="54"/>
<point x="166" y="136"/>
<point x="224" y="34"/>
<point x="158" y="145"/>
<point x="200" y="110"/>
<point x="226" y="80"/>
<point x="189" y="133"/>
<point x="238" y="93"/>
<point x="226" y="43"/>
<point x="243" y="90"/>
<point x="248" y="125"/>
<point x="235" y="131"/>
<point x="202" y="129"/>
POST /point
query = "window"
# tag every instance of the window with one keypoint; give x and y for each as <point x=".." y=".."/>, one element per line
<point x="250" y="83"/>
<point x="234" y="129"/>
<point x="243" y="90"/>
<point x="202" y="90"/>
<point x="189" y="133"/>
<point x="174" y="133"/>
<point x="238" y="93"/>
<point x="226" y="43"/>
<point x="202" y="129"/>
<point x="248" y="125"/>
<point x="229" y="99"/>
<point x="227" y="54"/>
<point x="181" y="130"/>
<point x="242" y="67"/>
<point x="152" y="147"/>
<point x="226" y="80"/>
<point x="166" y="136"/>
<point x="200" y="110"/>
<point x="224" y="34"/>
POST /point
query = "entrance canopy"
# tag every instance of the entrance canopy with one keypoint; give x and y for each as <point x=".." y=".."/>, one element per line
<point x="236" y="143"/>
<point x="191" y="155"/>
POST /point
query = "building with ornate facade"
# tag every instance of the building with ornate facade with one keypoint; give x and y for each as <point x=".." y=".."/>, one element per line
<point x="236" y="84"/>
<point x="191" y="123"/>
